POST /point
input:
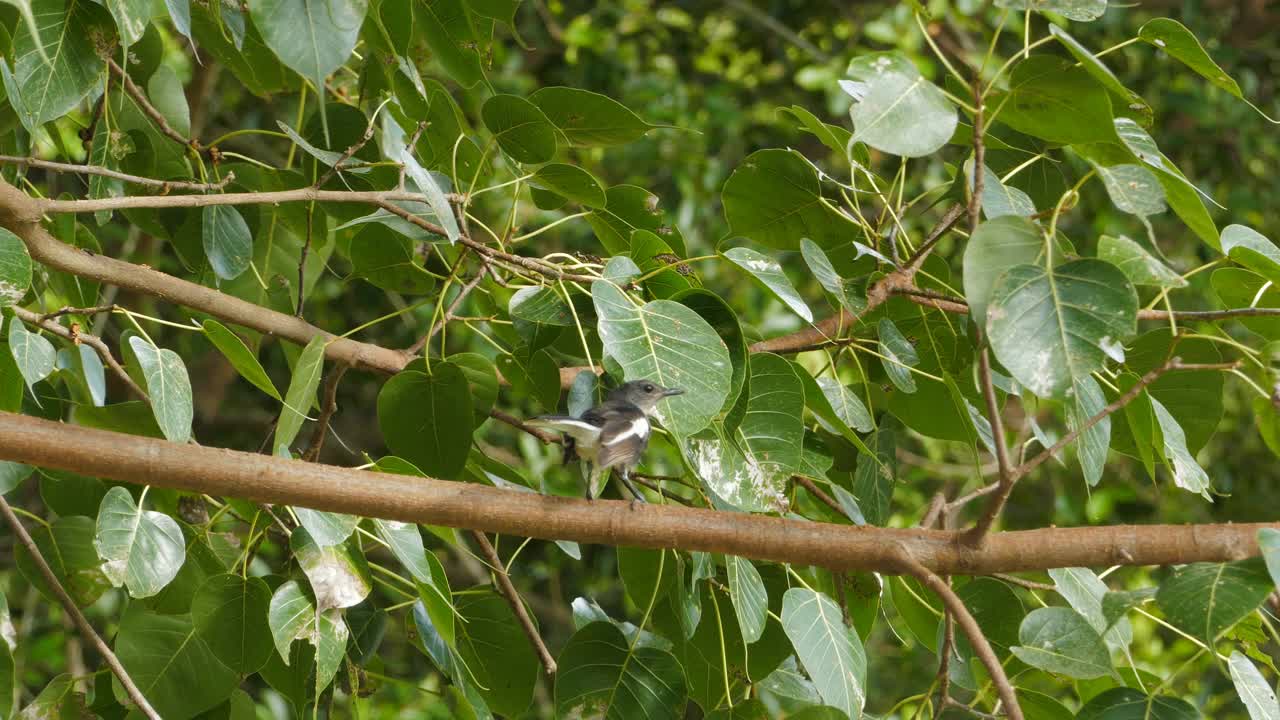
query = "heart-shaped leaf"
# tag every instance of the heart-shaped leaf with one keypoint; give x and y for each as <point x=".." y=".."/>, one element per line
<point x="895" y="109"/>
<point x="522" y="131"/>
<point x="571" y="182"/>
<point x="339" y="575"/>
<point x="601" y="671"/>
<point x="996" y="246"/>
<point x="427" y="418"/>
<point x="230" y="614"/>
<point x="774" y="198"/>
<point x="588" y="118"/>
<point x="54" y="71"/>
<point x="33" y="354"/>
<point x="168" y="386"/>
<point x="1060" y="640"/>
<point x="141" y="549"/>
<point x="1206" y="599"/>
<point x="15" y="269"/>
<point x="830" y="651"/>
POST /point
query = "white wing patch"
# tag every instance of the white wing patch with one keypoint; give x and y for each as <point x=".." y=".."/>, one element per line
<point x="639" y="428"/>
<point x="580" y="430"/>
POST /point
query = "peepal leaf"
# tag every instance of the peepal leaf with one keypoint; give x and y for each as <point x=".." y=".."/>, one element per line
<point x="15" y="269"/>
<point x="846" y="405"/>
<point x="1175" y="39"/>
<point x="1053" y="100"/>
<point x="897" y="355"/>
<point x="1133" y="189"/>
<point x="240" y="357"/>
<point x="301" y="394"/>
<point x="1253" y="250"/>
<point x="570" y="182"/>
<point x="588" y="118"/>
<point x="996" y="246"/>
<point x="171" y="664"/>
<point x="750" y="601"/>
<point x="1255" y="692"/>
<point x="327" y="528"/>
<point x="603" y="675"/>
<point x="1059" y="640"/>
<point x="168" y="386"/>
<point x="339" y="576"/>
<point x="774" y="197"/>
<point x="1269" y="544"/>
<point x="1085" y="591"/>
<point x="825" y="273"/>
<point x="428" y="419"/>
<point x="1187" y="473"/>
<point x="1079" y="10"/>
<point x="394" y="144"/>
<point x="288" y="614"/>
<point x="1124" y="703"/>
<point x="830" y="651"/>
<point x="141" y="549"/>
<point x="520" y="128"/>
<point x="769" y="272"/>
<point x="670" y="344"/>
<point x="1050" y="328"/>
<point x="771" y="432"/>
<point x="1087" y="401"/>
<point x="999" y="199"/>
<point x="230" y="614"/>
<point x="896" y="110"/>
<point x="33" y="354"/>
<point x="53" y="72"/>
<point x="227" y="242"/>
<point x="1206" y="599"/>
<point x="1140" y="266"/>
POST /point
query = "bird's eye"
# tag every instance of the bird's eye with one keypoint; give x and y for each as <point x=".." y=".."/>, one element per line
<point x="648" y="388"/>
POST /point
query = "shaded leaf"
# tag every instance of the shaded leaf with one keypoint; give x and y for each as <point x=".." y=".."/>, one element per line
<point x="1180" y="44"/>
<point x="522" y="131"/>
<point x="301" y="394"/>
<point x="1133" y="189"/>
<point x="996" y="246"/>
<point x="428" y="418"/>
<point x="570" y="182"/>
<point x="1087" y="401"/>
<point x="1059" y="640"/>
<point x="1053" y="100"/>
<point x="15" y="269"/>
<point x="1128" y="704"/>
<point x="1140" y="266"/>
<point x="1187" y="473"/>
<point x="750" y="601"/>
<point x="898" y="355"/>
<point x="588" y="118"/>
<point x="602" y="675"/>
<point x="240" y="357"/>
<point x="170" y="664"/>
<point x="830" y="651"/>
<point x="774" y="198"/>
<point x="53" y="72"/>
<point x="1206" y="599"/>
<point x="230" y="614"/>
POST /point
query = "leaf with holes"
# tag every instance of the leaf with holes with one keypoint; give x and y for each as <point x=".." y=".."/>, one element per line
<point x="896" y="110"/>
<point x="1050" y="328"/>
<point x="168" y="386"/>
<point x="670" y="344"/>
<point x="141" y="549"/>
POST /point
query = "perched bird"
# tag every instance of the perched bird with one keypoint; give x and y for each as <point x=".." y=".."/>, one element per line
<point x="613" y="434"/>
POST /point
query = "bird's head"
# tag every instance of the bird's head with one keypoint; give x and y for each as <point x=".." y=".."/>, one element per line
<point x="644" y="394"/>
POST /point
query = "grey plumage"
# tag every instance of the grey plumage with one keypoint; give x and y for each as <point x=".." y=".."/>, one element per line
<point x="613" y="434"/>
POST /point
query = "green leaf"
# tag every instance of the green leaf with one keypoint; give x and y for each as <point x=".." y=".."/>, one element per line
<point x="540" y="305"/>
<point x="67" y="545"/>
<point x="588" y="118"/>
<point x="312" y="38"/>
<point x="1176" y="40"/>
<point x="1116" y="604"/>
<point x="54" y="72"/>
<point x="1103" y="74"/>
<point x="1253" y="250"/>
<point x="1079" y="10"/>
<point x="339" y="575"/>
<point x="33" y="354"/>
<point x="240" y="357"/>
<point x="58" y="699"/>
<point x="1140" y="266"/>
<point x="830" y="651"/>
<point x="394" y="145"/>
<point x="451" y="33"/>
<point x="1257" y="694"/>
<point x="12" y="474"/>
<point x="428" y="419"/>
<point x="482" y="380"/>
<point x="771" y="433"/>
<point x="1206" y="599"/>
<point x="898" y="355"/>
<point x="1084" y="591"/>
<point x="1053" y="100"/>
<point x="168" y="386"/>
<point x="1059" y="640"/>
<point x="171" y="665"/>
<point x="165" y="90"/>
<point x="646" y="574"/>
<point x="522" y="131"/>
<point x="327" y="528"/>
<point x="750" y="600"/>
<point x="996" y="246"/>
<point x="570" y="182"/>
<point x="774" y="198"/>
<point x="603" y="675"/>
<point x="844" y="291"/>
<point x="330" y="638"/>
<point x="505" y="679"/>
<point x="1124" y="703"/>
<point x="230" y="614"/>
<point x="629" y="208"/>
<point x="1187" y="473"/>
<point x="1269" y="545"/>
<point x="1237" y="287"/>
<point x="1181" y="194"/>
<point x="227" y="241"/>
<point x="999" y="199"/>
<point x="15" y="269"/>
<point x="1133" y="189"/>
<point x="846" y="405"/>
<point x="141" y="549"/>
<point x="1087" y="401"/>
<point x="895" y="109"/>
<point x="132" y="19"/>
<point x="387" y="260"/>
<point x="1050" y="328"/>
<point x="769" y="273"/>
<point x="301" y="394"/>
<point x="875" y="476"/>
<point x="288" y="614"/>
<point x="670" y="344"/>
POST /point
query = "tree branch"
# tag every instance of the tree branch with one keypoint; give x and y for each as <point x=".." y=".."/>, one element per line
<point x="379" y="198"/>
<point x="148" y="109"/>
<point x="503" y="581"/>
<point x="92" y="341"/>
<point x="69" y="605"/>
<point x="164" y="185"/>
<point x="263" y="478"/>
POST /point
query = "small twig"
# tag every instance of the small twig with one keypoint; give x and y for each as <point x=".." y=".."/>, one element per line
<point x="164" y="185"/>
<point x="92" y="341"/>
<point x="503" y="581"/>
<point x="819" y="493"/>
<point x="330" y="406"/>
<point x="68" y="310"/>
<point x="348" y="153"/>
<point x="517" y="423"/>
<point x="936" y="505"/>
<point x="977" y="640"/>
<point x="86" y="630"/>
<point x="944" y="655"/>
<point x="307" y="194"/>
<point x="148" y="109"/>
<point x="1006" y="472"/>
<point x="302" y="260"/>
<point x="453" y="307"/>
<point x="658" y="489"/>
<point x="1028" y="584"/>
<point x="979" y="157"/>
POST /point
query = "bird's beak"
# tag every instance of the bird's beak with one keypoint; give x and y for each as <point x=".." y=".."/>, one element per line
<point x="672" y="391"/>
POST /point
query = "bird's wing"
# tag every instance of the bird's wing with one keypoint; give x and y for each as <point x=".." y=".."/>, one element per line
<point x="623" y="439"/>
<point x="580" y="430"/>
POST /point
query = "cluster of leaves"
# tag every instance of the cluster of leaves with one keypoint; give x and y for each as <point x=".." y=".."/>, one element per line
<point x="222" y="608"/>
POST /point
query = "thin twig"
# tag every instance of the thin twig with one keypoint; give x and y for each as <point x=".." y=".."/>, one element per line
<point x="958" y="306"/>
<point x="302" y="260"/>
<point x="330" y="406"/>
<point x="517" y="423"/>
<point x="448" y="313"/>
<point x="503" y="581"/>
<point x="1021" y="582"/>
<point x="1006" y="476"/>
<point x="86" y="630"/>
<point x="307" y="194"/>
<point x="164" y="185"/>
<point x="348" y="154"/>
<point x="977" y="640"/>
<point x="148" y="109"/>
<point x="68" y="310"/>
<point x="819" y="493"/>
<point x="92" y="341"/>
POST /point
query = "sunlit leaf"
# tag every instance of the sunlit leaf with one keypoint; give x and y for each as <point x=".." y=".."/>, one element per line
<point x="750" y="600"/>
<point x="895" y="109"/>
<point x="769" y="272"/>
<point x="168" y="386"/>
<point x="301" y="394"/>
<point x="15" y="269"/>
<point x="1140" y="266"/>
<point x="830" y="651"/>
<point x="1255" y="692"/>
<point x="141" y="549"/>
<point x="33" y="354"/>
<point x="1269" y="544"/>
<point x="339" y="575"/>
<point x="1180" y="44"/>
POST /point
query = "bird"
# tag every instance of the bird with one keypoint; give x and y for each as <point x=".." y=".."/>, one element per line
<point x="613" y="434"/>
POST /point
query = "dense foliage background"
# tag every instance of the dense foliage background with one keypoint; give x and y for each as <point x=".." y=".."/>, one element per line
<point x="682" y="151"/>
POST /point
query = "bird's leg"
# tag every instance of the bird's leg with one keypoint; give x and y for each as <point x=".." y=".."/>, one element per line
<point x="623" y="475"/>
<point x="589" y="475"/>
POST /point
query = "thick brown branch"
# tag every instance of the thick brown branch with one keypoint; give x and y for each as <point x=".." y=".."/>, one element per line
<point x="165" y="185"/>
<point x="263" y="478"/>
<point x="92" y="341"/>
<point x="379" y="198"/>
<point x="86" y="630"/>
<point x="503" y="581"/>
